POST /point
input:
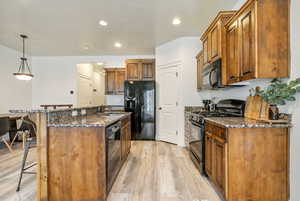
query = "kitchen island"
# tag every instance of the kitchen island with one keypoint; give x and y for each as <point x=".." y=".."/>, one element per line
<point x="80" y="156"/>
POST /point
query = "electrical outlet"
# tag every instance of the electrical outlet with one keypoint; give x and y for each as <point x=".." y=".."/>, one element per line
<point x="83" y="112"/>
<point x="74" y="113"/>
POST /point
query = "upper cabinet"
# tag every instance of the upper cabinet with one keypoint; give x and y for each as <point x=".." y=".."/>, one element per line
<point x="200" y="61"/>
<point x="231" y="74"/>
<point x="140" y="69"/>
<point x="114" y="81"/>
<point x="213" y="38"/>
<point x="257" y="40"/>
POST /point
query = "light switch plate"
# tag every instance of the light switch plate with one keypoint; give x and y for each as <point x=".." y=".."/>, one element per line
<point x="74" y="113"/>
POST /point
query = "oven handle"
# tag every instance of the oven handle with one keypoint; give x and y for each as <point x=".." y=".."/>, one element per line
<point x="196" y="124"/>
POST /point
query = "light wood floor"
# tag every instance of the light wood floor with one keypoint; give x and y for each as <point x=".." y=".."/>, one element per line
<point x="154" y="171"/>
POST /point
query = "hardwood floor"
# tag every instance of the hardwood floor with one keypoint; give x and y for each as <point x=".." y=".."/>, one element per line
<point x="158" y="171"/>
<point x="154" y="171"/>
<point x="10" y="164"/>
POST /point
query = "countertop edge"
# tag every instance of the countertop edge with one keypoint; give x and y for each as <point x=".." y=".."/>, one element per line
<point x="83" y="125"/>
<point x="247" y="125"/>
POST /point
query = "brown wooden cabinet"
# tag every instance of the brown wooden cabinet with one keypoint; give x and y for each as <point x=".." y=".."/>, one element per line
<point x="247" y="43"/>
<point x="206" y="55"/>
<point x="200" y="63"/>
<point x="208" y="154"/>
<point x="114" y="81"/>
<point x="255" y="159"/>
<point x="219" y="148"/>
<point x="125" y="138"/>
<point x="140" y="69"/>
<point x="232" y="71"/>
<point x="263" y="49"/>
<point x="215" y="155"/>
<point x="213" y="37"/>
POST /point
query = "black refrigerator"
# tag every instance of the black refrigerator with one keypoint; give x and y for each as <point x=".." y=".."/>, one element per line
<point x="139" y="98"/>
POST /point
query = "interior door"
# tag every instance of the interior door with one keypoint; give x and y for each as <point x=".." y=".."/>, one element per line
<point x="85" y="92"/>
<point x="168" y="104"/>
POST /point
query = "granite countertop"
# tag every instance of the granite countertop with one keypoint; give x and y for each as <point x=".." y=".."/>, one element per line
<point x="240" y="122"/>
<point x="94" y="120"/>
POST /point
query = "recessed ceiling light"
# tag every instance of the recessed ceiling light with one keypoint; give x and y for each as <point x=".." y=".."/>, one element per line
<point x="176" y="21"/>
<point x="100" y="63"/>
<point x="117" y="44"/>
<point x="103" y="23"/>
<point x="86" y="47"/>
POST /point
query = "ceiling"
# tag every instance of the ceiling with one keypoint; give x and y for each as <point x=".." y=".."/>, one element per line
<point x="67" y="27"/>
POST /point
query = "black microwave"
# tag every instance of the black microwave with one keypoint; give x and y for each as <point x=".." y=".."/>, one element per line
<point x="212" y="75"/>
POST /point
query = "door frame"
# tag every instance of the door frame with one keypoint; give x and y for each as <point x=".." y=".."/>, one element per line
<point x="178" y="66"/>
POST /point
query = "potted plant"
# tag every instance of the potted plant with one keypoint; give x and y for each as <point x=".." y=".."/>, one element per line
<point x="278" y="93"/>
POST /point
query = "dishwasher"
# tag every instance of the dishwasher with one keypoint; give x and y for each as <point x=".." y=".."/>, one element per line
<point x="113" y="152"/>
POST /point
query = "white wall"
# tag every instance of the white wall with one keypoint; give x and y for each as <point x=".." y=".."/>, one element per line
<point x="15" y="94"/>
<point x="183" y="51"/>
<point x="56" y="76"/>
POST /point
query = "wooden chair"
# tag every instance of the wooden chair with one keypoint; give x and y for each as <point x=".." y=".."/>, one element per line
<point x="4" y="131"/>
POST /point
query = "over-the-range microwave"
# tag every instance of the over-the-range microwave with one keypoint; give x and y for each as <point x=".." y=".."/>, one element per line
<point x="212" y="75"/>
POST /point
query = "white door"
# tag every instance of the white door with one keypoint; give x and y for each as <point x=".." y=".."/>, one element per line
<point x="168" y="104"/>
<point x="98" y="88"/>
<point x="85" y="92"/>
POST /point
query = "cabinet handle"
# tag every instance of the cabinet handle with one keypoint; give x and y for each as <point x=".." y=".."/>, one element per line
<point x="246" y="73"/>
<point x="233" y="78"/>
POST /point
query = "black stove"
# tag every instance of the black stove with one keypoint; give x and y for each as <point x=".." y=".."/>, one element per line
<point x="225" y="108"/>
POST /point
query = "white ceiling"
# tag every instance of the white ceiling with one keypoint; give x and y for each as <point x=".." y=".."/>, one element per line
<point x="65" y="27"/>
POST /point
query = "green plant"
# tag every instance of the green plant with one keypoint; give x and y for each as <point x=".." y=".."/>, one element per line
<point x="278" y="92"/>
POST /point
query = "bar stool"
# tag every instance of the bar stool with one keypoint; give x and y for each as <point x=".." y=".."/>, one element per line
<point x="29" y="144"/>
<point x="4" y="131"/>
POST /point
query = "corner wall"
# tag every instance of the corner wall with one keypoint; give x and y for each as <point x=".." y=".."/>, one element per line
<point x="56" y="77"/>
<point x="182" y="50"/>
<point x="15" y="94"/>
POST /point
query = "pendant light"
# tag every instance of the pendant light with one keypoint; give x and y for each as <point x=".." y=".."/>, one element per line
<point x="24" y="72"/>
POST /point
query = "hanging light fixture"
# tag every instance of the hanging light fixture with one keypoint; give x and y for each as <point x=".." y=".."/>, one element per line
<point x="24" y="72"/>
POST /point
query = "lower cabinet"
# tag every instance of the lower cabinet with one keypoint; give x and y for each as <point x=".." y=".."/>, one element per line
<point x="248" y="163"/>
<point x="219" y="165"/>
<point x="215" y="152"/>
<point x="125" y="138"/>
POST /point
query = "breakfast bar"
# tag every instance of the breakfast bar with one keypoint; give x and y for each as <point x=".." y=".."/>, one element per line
<point x="80" y="156"/>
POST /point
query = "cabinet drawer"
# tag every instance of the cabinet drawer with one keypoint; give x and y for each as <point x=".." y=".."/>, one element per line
<point x="216" y="131"/>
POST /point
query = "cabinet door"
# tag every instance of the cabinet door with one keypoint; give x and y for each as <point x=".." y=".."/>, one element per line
<point x="232" y="68"/>
<point x="247" y="44"/>
<point x="110" y="82"/>
<point x="123" y="143"/>
<point x="219" y="165"/>
<point x="208" y="155"/>
<point x="133" y="71"/>
<point x="199" y="70"/>
<point x="205" y="51"/>
<point x="119" y="84"/>
<point x="128" y="141"/>
<point x="215" y="42"/>
<point x="148" y="70"/>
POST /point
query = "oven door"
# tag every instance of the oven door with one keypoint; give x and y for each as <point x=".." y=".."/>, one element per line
<point x="197" y="145"/>
<point x="113" y="153"/>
